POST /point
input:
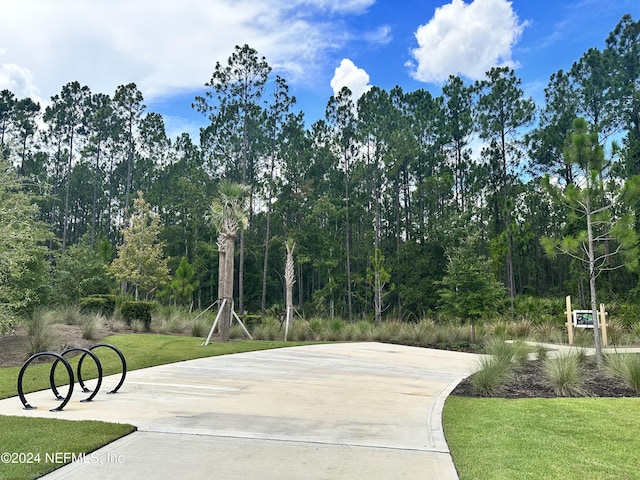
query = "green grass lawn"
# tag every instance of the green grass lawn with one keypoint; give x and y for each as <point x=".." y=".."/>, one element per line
<point x="564" y="438"/>
<point x="24" y="435"/>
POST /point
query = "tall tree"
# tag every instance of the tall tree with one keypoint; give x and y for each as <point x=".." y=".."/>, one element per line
<point x="26" y="116"/>
<point x="340" y="115"/>
<point x="277" y="115"/>
<point x="228" y="216"/>
<point x="232" y="103"/>
<point x="7" y="104"/>
<point x="129" y="108"/>
<point x="23" y="270"/>
<point x="547" y="141"/>
<point x="66" y="116"/>
<point x="101" y="127"/>
<point x="600" y="210"/>
<point x="623" y="48"/>
<point x="502" y="112"/>
<point x="458" y="104"/>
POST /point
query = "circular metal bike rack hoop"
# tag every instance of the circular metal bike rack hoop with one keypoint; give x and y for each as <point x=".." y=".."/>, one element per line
<point x="122" y="359"/>
<point x="84" y="388"/>
<point x="59" y="358"/>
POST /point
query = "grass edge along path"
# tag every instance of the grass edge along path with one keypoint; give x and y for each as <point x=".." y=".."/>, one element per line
<point x="37" y="446"/>
<point x="559" y="438"/>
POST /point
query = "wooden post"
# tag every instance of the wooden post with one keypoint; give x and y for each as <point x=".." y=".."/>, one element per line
<point x="569" y="319"/>
<point x="603" y="325"/>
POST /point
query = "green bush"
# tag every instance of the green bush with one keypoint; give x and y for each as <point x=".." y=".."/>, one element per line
<point x="137" y="311"/>
<point x="103" y="304"/>
<point x="565" y="373"/>
<point x="491" y="376"/>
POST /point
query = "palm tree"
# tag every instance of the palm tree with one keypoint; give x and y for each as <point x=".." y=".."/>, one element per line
<point x="228" y="216"/>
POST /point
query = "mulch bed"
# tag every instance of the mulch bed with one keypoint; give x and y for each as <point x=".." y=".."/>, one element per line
<point x="529" y="382"/>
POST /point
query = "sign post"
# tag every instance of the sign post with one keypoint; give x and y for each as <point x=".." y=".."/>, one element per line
<point x="569" y="319"/>
<point x="603" y="325"/>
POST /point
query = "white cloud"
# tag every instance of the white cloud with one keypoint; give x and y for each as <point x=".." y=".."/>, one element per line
<point x="466" y="40"/>
<point x="19" y="81"/>
<point x="381" y="36"/>
<point x="348" y="75"/>
<point x="163" y="46"/>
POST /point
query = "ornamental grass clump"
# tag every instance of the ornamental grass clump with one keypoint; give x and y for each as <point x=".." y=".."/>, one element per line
<point x="626" y="367"/>
<point x="565" y="374"/>
<point x="491" y="376"/>
<point x="39" y="334"/>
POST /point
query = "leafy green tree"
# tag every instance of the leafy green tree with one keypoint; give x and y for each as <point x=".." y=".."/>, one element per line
<point x="79" y="272"/>
<point x="228" y="216"/>
<point x="378" y="276"/>
<point x="469" y="289"/>
<point x="23" y="268"/>
<point x="184" y="283"/>
<point x="607" y="240"/>
<point x="140" y="262"/>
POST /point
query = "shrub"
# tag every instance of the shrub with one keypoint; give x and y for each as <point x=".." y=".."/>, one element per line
<point x="520" y="329"/>
<point x="200" y="326"/>
<point x="510" y="352"/>
<point x="102" y="303"/>
<point x="90" y="326"/>
<point x="140" y="311"/>
<point x="492" y="374"/>
<point x="565" y="373"/>
<point x="39" y="335"/>
<point x="625" y="366"/>
<point x="68" y="314"/>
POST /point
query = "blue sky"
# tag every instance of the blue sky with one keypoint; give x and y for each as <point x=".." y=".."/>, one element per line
<point x="169" y="48"/>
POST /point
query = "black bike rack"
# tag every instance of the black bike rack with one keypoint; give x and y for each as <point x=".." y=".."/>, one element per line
<point x="59" y="358"/>
<point x="122" y="359"/>
<point x="82" y="385"/>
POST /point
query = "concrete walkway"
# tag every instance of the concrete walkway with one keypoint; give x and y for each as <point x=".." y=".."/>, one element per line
<point x="337" y="411"/>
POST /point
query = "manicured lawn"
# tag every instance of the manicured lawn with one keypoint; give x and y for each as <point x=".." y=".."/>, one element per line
<point x="567" y="438"/>
<point x="42" y="445"/>
<point x="33" y="436"/>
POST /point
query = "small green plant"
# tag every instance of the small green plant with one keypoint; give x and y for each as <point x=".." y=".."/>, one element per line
<point x="137" y="326"/>
<point x="565" y="373"/>
<point x="492" y="374"/>
<point x="90" y="326"/>
<point x="512" y="352"/>
<point x="521" y="329"/>
<point x="541" y="353"/>
<point x="39" y="335"/>
<point x="625" y="366"/>
<point x="200" y="326"/>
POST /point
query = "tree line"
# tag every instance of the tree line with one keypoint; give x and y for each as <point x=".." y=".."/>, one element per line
<point x="376" y="195"/>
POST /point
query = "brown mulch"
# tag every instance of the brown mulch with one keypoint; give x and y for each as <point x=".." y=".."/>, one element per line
<point x="529" y="382"/>
<point x="14" y="346"/>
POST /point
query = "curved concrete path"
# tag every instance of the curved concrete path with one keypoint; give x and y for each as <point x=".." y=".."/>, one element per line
<point x="337" y="411"/>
